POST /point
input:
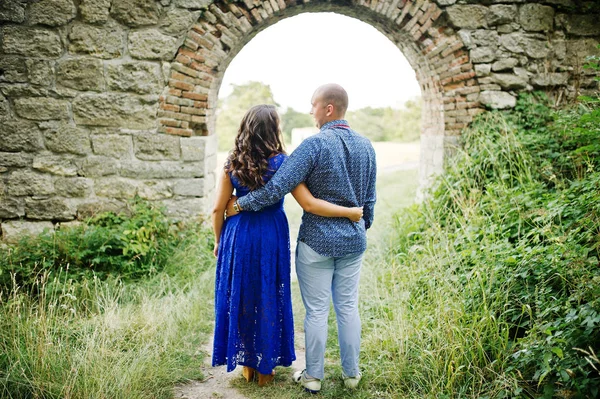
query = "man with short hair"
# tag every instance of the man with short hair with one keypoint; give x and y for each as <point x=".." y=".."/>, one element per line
<point x="338" y="165"/>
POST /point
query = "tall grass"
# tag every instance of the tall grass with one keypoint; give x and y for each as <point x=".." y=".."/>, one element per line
<point x="106" y="338"/>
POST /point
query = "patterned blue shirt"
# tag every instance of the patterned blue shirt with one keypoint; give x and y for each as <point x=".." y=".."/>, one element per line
<point x="338" y="165"/>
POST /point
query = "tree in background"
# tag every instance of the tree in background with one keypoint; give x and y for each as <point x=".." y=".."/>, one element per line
<point x="231" y="110"/>
<point x="292" y="119"/>
<point x="388" y="124"/>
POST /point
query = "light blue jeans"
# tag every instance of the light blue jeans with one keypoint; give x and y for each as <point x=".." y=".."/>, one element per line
<point x="322" y="278"/>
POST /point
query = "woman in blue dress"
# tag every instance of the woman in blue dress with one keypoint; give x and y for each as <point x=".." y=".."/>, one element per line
<point x="253" y="311"/>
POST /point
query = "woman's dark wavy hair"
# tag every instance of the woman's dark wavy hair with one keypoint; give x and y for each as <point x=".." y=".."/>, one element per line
<point x="258" y="138"/>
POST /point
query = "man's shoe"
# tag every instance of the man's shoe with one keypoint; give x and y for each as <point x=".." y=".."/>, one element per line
<point x="351" y="382"/>
<point x="310" y="384"/>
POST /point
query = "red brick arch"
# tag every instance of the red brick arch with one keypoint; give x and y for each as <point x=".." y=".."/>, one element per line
<point x="438" y="56"/>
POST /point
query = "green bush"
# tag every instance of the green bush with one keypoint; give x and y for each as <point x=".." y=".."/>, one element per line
<point x="128" y="245"/>
<point x="518" y="212"/>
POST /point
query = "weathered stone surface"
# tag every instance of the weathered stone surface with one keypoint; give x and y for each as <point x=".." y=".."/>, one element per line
<point x="485" y="37"/>
<point x="27" y="182"/>
<point x="550" y="79"/>
<point x="100" y="205"/>
<point x="190" y="188"/>
<point x="197" y="148"/>
<point x="581" y="25"/>
<point x="521" y="43"/>
<point x="55" y="164"/>
<point x="31" y="42"/>
<point x="94" y="11"/>
<point x="153" y="190"/>
<point x="12" y="11"/>
<point x="536" y="17"/>
<point x="118" y="110"/>
<point x="483" y="69"/>
<point x="497" y="99"/>
<point x="184" y="209"/>
<point x="577" y="50"/>
<point x="113" y="145"/>
<point x="73" y="187"/>
<point x="40" y="72"/>
<point x="467" y="16"/>
<point x="152" y="45"/>
<point x="14" y="69"/>
<point x="20" y="136"/>
<point x="4" y="108"/>
<point x="64" y="137"/>
<point x="482" y="54"/>
<point x="193" y="4"/>
<point x="138" y="77"/>
<point x="135" y="12"/>
<point x="504" y="64"/>
<point x="81" y="74"/>
<point x="160" y="170"/>
<point x="13" y="230"/>
<point x="500" y="14"/>
<point x="157" y="147"/>
<point x="42" y="109"/>
<point x="14" y="90"/>
<point x="97" y="166"/>
<point x="49" y="209"/>
<point x="115" y="187"/>
<point x="178" y="21"/>
<point x="103" y="42"/>
<point x="509" y="81"/>
<point x="11" y="208"/>
<point x="52" y="12"/>
<point x="15" y="159"/>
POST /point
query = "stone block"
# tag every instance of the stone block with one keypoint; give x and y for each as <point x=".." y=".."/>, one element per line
<point x="52" y="12"/>
<point x="100" y="205"/>
<point x="27" y="182"/>
<point x="40" y="72"/>
<point x="14" y="69"/>
<point x="497" y="99"/>
<point x="153" y="190"/>
<point x="66" y="138"/>
<point x="94" y="11"/>
<point x="152" y="45"/>
<point x="99" y="41"/>
<point x="160" y="170"/>
<point x="31" y="42"/>
<point x="190" y="188"/>
<point x="157" y="147"/>
<point x="73" y="187"/>
<point x="42" y="109"/>
<point x="178" y="21"/>
<point x="14" y="230"/>
<point x="467" y="16"/>
<point x="187" y="208"/>
<point x="580" y="25"/>
<point x="193" y="4"/>
<point x="12" y="11"/>
<point x="504" y="64"/>
<point x="550" y="79"/>
<point x="485" y="38"/>
<point x="115" y="187"/>
<point x="509" y="81"/>
<point x="500" y="14"/>
<point x="521" y="43"/>
<point x="117" y="110"/>
<point x="20" y="136"/>
<point x="135" y="13"/>
<point x="11" y="208"/>
<point x="49" y="209"/>
<point x="97" y="166"/>
<point x="482" y="55"/>
<point x="113" y="145"/>
<point x="536" y="17"/>
<point x="81" y="74"/>
<point x="138" y="77"/>
<point x="55" y="164"/>
<point x="15" y="159"/>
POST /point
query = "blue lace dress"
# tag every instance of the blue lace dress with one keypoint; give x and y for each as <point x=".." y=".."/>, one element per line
<point x="253" y="309"/>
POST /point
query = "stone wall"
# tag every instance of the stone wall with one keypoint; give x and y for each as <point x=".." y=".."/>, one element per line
<point x="102" y="100"/>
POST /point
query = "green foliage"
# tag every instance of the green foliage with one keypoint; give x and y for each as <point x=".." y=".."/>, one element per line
<point x="129" y="245"/>
<point x="388" y="124"/>
<point x="516" y="219"/>
<point x="231" y="110"/>
<point x="292" y="119"/>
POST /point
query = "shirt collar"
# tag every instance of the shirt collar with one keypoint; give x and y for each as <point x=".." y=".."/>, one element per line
<point x="329" y="124"/>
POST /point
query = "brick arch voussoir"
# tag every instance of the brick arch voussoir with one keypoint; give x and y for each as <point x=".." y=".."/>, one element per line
<point x="187" y="106"/>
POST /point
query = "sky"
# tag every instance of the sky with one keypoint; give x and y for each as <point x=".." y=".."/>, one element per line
<point x="296" y="55"/>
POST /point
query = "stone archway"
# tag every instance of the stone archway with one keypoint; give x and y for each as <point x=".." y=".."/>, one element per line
<point x="102" y="100"/>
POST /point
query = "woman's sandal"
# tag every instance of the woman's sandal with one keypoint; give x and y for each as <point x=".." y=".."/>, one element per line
<point x="264" y="379"/>
<point x="248" y="373"/>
